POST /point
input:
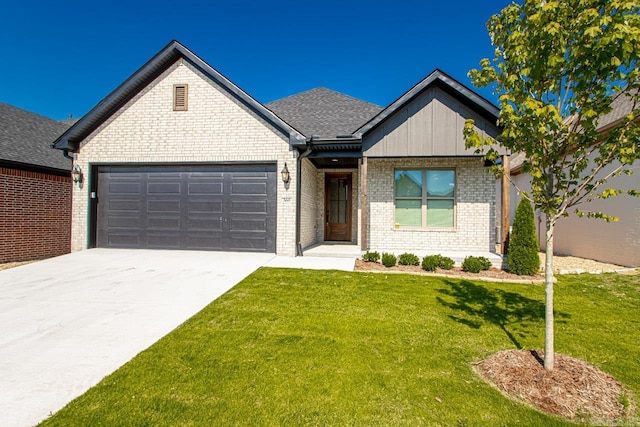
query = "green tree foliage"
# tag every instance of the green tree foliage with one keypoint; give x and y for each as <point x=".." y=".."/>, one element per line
<point x="523" y="244"/>
<point x="558" y="67"/>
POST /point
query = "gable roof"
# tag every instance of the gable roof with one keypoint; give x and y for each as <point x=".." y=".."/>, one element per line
<point x="323" y="112"/>
<point x="25" y="138"/>
<point x="449" y="84"/>
<point x="69" y="141"/>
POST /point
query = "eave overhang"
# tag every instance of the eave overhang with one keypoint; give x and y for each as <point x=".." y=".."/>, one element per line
<point x="174" y="51"/>
<point x="340" y="146"/>
<point x="35" y="168"/>
<point x="482" y="106"/>
<point x="341" y="152"/>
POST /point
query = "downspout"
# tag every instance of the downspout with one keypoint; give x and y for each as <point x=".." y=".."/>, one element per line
<point x="299" y="195"/>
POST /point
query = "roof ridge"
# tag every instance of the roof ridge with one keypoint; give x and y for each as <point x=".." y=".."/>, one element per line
<point x="33" y="113"/>
<point x="357" y="99"/>
<point x="325" y="89"/>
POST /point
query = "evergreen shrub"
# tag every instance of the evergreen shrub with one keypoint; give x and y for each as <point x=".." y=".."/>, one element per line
<point x="522" y="252"/>
<point x="431" y="262"/>
<point x="474" y="264"/>
<point x="388" y="260"/>
<point x="408" y="259"/>
<point x="371" y="256"/>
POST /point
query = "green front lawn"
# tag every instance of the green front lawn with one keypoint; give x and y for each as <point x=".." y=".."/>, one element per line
<point x="296" y="347"/>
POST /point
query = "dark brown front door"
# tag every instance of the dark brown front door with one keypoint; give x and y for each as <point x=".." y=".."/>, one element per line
<point x="337" y="207"/>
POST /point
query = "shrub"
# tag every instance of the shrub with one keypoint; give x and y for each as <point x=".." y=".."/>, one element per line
<point x="446" y="263"/>
<point x="371" y="256"/>
<point x="431" y="262"/>
<point x="388" y="260"/>
<point x="474" y="264"/>
<point x="408" y="259"/>
<point x="523" y="258"/>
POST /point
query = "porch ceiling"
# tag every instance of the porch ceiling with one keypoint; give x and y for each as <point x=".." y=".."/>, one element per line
<point x="335" y="162"/>
<point x="335" y="154"/>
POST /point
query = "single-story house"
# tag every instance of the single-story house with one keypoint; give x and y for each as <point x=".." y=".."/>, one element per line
<point x="613" y="242"/>
<point x="179" y="157"/>
<point x="35" y="187"/>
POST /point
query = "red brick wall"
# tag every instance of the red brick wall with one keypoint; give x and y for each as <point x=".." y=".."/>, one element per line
<point x="35" y="215"/>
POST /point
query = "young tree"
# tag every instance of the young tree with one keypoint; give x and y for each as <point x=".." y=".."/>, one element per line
<point x="523" y="243"/>
<point x="559" y="66"/>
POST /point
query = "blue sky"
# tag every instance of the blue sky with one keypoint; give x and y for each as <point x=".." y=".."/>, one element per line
<point x="62" y="58"/>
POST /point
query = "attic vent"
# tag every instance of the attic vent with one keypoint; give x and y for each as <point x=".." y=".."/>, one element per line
<point x="180" y="97"/>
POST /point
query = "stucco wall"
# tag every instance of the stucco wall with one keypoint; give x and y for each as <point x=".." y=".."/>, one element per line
<point x="34" y="215"/>
<point x="614" y="242"/>
<point x="474" y="208"/>
<point x="217" y="128"/>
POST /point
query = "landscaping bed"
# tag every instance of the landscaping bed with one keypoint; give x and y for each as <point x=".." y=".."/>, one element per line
<point x="574" y="389"/>
<point x="491" y="274"/>
<point x="562" y="264"/>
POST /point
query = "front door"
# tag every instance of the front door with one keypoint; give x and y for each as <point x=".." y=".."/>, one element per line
<point x="337" y="207"/>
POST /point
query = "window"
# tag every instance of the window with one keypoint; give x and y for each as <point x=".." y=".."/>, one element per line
<point x="425" y="198"/>
<point x="180" y="97"/>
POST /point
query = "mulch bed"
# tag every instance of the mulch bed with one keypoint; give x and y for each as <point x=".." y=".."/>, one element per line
<point x="574" y="389"/>
<point x="492" y="273"/>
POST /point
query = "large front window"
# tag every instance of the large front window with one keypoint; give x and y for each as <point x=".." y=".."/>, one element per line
<point x="425" y="197"/>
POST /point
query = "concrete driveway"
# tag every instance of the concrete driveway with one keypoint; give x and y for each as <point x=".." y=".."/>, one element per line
<point x="67" y="322"/>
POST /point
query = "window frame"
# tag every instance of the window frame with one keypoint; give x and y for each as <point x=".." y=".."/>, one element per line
<point x="424" y="198"/>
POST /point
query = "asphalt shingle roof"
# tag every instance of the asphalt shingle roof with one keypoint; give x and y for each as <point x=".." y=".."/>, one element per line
<point x="620" y="107"/>
<point x="324" y="112"/>
<point x="25" y="137"/>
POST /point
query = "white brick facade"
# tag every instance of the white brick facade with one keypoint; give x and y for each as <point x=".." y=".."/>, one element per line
<point x="216" y="128"/>
<point x="219" y="127"/>
<point x="311" y="205"/>
<point x="474" y="208"/>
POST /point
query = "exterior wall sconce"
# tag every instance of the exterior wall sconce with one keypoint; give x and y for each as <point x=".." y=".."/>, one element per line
<point x="286" y="176"/>
<point x="76" y="173"/>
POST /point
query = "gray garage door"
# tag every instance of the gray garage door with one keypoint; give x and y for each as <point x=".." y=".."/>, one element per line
<point x="213" y="207"/>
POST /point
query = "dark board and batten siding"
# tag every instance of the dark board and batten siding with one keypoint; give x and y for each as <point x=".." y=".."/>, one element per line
<point x="429" y="125"/>
<point x="203" y="207"/>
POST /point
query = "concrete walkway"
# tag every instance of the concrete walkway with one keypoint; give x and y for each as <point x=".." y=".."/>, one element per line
<point x="67" y="322"/>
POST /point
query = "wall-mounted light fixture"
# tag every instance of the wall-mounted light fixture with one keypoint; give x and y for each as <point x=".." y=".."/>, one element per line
<point x="286" y="176"/>
<point x="76" y="173"/>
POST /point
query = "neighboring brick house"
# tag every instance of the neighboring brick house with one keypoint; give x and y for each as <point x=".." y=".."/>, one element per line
<point x="35" y="187"/>
<point x="614" y="242"/>
<point x="178" y="157"/>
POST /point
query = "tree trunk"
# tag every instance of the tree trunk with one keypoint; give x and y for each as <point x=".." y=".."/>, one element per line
<point x="548" y="318"/>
